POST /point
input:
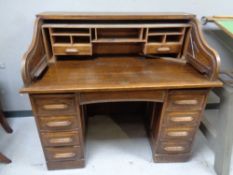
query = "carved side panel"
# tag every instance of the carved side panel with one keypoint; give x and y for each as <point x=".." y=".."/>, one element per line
<point x="34" y="60"/>
<point x="200" y="55"/>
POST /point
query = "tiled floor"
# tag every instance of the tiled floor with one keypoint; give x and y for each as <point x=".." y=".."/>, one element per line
<point x="112" y="149"/>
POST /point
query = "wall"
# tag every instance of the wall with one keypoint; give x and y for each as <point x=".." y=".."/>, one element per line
<point x="17" y="18"/>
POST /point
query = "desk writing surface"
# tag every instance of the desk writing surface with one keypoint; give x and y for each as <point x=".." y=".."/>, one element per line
<point x="118" y="73"/>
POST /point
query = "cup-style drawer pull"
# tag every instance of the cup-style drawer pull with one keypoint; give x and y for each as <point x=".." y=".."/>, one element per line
<point x="186" y="102"/>
<point x="174" y="148"/>
<point x="64" y="155"/>
<point x="178" y="133"/>
<point x="163" y="49"/>
<point x="55" y="106"/>
<point x="72" y="50"/>
<point x="58" y="124"/>
<point x="182" y="119"/>
<point x="61" y="140"/>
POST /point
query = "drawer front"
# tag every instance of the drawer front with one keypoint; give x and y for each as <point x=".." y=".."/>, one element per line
<point x="181" y="118"/>
<point x="186" y="100"/>
<point x="63" y="153"/>
<point x="82" y="49"/>
<point x="162" y="48"/>
<point x="174" y="147"/>
<point x="178" y="133"/>
<point x="56" y="123"/>
<point x="60" y="138"/>
<point x="54" y="104"/>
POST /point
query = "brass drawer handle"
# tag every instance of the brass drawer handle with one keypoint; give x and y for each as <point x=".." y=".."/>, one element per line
<point x="61" y="140"/>
<point x="178" y="133"/>
<point x="64" y="155"/>
<point x="182" y="119"/>
<point x="174" y="148"/>
<point x="58" y="124"/>
<point x="71" y="50"/>
<point x="163" y="49"/>
<point x="186" y="102"/>
<point x="55" y="106"/>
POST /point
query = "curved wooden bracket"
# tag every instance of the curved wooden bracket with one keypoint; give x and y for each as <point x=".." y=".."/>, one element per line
<point x="34" y="60"/>
<point x="202" y="57"/>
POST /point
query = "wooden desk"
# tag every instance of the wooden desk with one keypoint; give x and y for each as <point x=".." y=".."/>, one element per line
<point x="77" y="59"/>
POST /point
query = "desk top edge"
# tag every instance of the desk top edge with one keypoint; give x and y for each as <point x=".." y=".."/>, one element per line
<point x="115" y="15"/>
<point x="40" y="90"/>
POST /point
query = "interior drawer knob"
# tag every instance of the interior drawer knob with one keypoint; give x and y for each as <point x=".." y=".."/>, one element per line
<point x="64" y="155"/>
<point x="186" y="102"/>
<point x="55" y="106"/>
<point x="59" y="124"/>
<point x="178" y="133"/>
<point x="71" y="50"/>
<point x="61" y="140"/>
<point x="182" y="119"/>
<point x="174" y="148"/>
<point x="163" y="49"/>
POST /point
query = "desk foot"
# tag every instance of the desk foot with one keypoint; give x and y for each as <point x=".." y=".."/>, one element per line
<point x="66" y="164"/>
<point x="164" y="158"/>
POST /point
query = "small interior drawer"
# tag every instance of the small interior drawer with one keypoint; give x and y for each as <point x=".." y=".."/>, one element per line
<point x="60" y="138"/>
<point x="63" y="153"/>
<point x="186" y="100"/>
<point x="176" y="147"/>
<point x="178" y="133"/>
<point x="56" y="123"/>
<point x="181" y="118"/>
<point x="76" y="49"/>
<point x="162" y="48"/>
<point x="54" y="104"/>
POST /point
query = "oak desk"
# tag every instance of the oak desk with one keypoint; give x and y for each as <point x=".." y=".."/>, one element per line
<point x="77" y="59"/>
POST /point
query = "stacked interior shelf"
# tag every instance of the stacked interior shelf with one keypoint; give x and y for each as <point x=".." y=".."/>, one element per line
<point x="167" y="39"/>
<point x="89" y="39"/>
<point x="119" y="35"/>
<point x="69" y="40"/>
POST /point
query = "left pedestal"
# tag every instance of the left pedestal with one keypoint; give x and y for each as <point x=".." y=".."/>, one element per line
<point x="60" y="124"/>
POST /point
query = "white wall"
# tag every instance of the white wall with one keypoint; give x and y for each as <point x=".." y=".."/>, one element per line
<point x="17" y="18"/>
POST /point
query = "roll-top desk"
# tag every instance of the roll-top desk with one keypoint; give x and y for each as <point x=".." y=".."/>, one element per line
<point x="76" y="59"/>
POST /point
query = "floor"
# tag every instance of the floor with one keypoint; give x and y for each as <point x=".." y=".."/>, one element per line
<point x="112" y="148"/>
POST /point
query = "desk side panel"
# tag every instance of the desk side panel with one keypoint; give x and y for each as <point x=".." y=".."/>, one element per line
<point x="200" y="55"/>
<point x="34" y="60"/>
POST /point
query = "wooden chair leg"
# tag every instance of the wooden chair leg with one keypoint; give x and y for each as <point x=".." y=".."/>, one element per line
<point x="4" y="159"/>
<point x="4" y="123"/>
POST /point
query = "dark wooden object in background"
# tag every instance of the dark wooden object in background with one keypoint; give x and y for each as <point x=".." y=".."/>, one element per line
<point x="7" y="128"/>
<point x="81" y="59"/>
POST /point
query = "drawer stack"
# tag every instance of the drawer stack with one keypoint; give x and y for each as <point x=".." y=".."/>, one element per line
<point x="59" y="125"/>
<point x="180" y="119"/>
